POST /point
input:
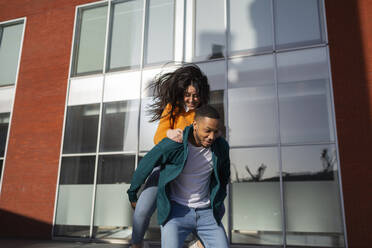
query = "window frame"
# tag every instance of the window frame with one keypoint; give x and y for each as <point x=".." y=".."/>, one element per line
<point x="23" y="21"/>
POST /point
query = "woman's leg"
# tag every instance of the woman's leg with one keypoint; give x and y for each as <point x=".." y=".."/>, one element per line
<point x="145" y="208"/>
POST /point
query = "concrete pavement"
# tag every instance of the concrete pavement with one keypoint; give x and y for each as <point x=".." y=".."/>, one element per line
<point x="30" y="243"/>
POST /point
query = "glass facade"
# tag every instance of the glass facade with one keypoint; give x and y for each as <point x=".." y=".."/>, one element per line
<point x="11" y="36"/>
<point x="268" y="67"/>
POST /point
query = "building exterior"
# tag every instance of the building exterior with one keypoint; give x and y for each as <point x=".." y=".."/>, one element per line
<point x="292" y="79"/>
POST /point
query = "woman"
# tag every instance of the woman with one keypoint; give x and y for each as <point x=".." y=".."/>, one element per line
<point x="177" y="95"/>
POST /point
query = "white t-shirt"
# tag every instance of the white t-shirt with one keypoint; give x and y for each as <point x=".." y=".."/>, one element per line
<point x="191" y="187"/>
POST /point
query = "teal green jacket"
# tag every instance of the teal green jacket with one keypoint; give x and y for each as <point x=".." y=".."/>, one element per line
<point x="171" y="156"/>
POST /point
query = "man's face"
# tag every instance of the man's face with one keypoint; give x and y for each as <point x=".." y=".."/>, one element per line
<point x="205" y="131"/>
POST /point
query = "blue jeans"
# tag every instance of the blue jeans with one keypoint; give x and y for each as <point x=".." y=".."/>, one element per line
<point x="145" y="208"/>
<point x="184" y="220"/>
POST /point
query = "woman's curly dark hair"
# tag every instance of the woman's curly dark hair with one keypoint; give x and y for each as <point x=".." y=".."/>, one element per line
<point x="171" y="87"/>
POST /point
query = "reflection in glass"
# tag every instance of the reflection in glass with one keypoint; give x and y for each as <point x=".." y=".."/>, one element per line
<point x="297" y="23"/>
<point x="126" y="34"/>
<point x="311" y="196"/>
<point x="256" y="211"/>
<point x="250" y="25"/>
<point x="113" y="213"/>
<point x="75" y="193"/>
<point x="304" y="97"/>
<point x="159" y="31"/>
<point x="217" y="101"/>
<point x="4" y="124"/>
<point x="252" y="101"/>
<point x="209" y="29"/>
<point x="119" y="126"/>
<point x="81" y="129"/>
<point x="89" y="53"/>
<point x="215" y="71"/>
<point x="10" y="44"/>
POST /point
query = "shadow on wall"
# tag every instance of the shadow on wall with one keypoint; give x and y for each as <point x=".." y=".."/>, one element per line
<point x="18" y="226"/>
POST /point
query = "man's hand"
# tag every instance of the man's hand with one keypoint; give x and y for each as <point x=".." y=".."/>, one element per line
<point x="175" y="135"/>
<point x="133" y="204"/>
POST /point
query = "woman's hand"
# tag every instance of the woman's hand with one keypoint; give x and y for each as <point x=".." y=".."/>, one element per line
<point x="175" y="135"/>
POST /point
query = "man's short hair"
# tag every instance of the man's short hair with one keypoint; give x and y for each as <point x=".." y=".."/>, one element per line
<point x="207" y="111"/>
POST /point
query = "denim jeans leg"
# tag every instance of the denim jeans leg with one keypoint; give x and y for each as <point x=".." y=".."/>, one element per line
<point x="145" y="208"/>
<point x="180" y="224"/>
<point x="210" y="233"/>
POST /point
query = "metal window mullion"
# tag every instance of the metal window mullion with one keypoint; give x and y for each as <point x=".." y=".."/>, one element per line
<point x="320" y="19"/>
<point x="184" y="32"/>
<point x="65" y="116"/>
<point x="100" y="120"/>
<point x="226" y="107"/>
<point x="337" y="151"/>
<point x="180" y="20"/>
<point x="324" y="19"/>
<point x="1" y="34"/>
<point x="23" y="21"/>
<point x="279" y="148"/>
<point x="280" y="153"/>
<point x="142" y="59"/>
<point x="66" y="155"/>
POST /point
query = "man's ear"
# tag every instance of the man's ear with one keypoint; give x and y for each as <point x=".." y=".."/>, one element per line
<point x="194" y="124"/>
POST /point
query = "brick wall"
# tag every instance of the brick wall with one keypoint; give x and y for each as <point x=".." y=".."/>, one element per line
<point x="350" y="35"/>
<point x="31" y="169"/>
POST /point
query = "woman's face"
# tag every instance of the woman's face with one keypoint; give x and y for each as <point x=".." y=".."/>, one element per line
<point x="191" y="98"/>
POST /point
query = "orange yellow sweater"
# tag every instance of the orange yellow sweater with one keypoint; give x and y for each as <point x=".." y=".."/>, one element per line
<point x="183" y="120"/>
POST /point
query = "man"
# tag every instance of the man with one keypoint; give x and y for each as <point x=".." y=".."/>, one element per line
<point x="192" y="182"/>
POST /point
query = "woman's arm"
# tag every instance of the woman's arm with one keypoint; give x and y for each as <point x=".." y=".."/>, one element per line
<point x="165" y="130"/>
<point x="164" y="126"/>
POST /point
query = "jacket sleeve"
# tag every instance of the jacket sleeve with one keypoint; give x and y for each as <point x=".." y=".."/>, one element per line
<point x="225" y="179"/>
<point x="153" y="158"/>
<point x="164" y="125"/>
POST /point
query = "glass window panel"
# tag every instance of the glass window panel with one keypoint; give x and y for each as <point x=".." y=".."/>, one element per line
<point x="4" y="125"/>
<point x="159" y="31"/>
<point x="113" y="213"/>
<point x="209" y="34"/>
<point x="250" y="25"/>
<point x="75" y="194"/>
<point x="215" y="71"/>
<point x="6" y="99"/>
<point x="311" y="196"/>
<point x="126" y="34"/>
<point x="77" y="170"/>
<point x="85" y="90"/>
<point x="10" y="44"/>
<point x="90" y="47"/>
<point x="81" y="129"/>
<point x="304" y="97"/>
<point x="256" y="207"/>
<point x="119" y="126"/>
<point x="122" y="86"/>
<point x="217" y="101"/>
<point x="297" y="22"/>
<point x="252" y="101"/>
